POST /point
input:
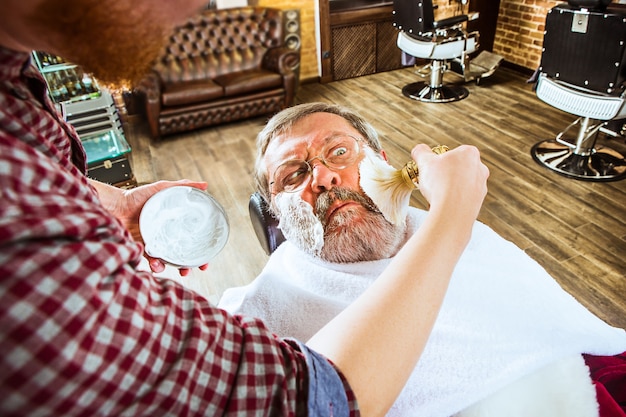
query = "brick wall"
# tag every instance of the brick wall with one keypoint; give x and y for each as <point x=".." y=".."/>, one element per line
<point x="446" y="8"/>
<point x="308" y="66"/>
<point x="519" y="32"/>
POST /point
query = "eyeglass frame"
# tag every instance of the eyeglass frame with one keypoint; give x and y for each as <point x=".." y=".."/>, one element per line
<point x="321" y="159"/>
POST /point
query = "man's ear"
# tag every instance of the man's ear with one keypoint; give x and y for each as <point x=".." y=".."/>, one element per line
<point x="383" y="154"/>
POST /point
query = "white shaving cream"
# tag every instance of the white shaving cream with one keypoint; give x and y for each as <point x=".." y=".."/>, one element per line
<point x="183" y="226"/>
<point x="299" y="224"/>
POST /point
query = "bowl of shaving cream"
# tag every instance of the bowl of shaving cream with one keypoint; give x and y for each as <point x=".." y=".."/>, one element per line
<point x="183" y="226"/>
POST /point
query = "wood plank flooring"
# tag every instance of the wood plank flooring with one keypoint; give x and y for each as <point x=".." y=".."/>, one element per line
<point x="575" y="229"/>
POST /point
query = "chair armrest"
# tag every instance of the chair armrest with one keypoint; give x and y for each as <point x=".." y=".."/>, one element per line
<point x="281" y="60"/>
<point x="450" y="21"/>
<point x="150" y="89"/>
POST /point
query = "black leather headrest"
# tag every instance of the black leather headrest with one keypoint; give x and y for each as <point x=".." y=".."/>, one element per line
<point x="265" y="225"/>
<point x="590" y="4"/>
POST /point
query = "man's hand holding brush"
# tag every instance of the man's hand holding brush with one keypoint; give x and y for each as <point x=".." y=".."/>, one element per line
<point x="414" y="284"/>
<point x="454" y="180"/>
<point x="391" y="188"/>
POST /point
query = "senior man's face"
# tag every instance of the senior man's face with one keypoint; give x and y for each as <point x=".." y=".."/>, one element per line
<point x="115" y="40"/>
<point x="330" y="217"/>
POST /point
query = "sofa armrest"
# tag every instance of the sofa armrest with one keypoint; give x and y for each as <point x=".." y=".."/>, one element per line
<point x="150" y="90"/>
<point x="282" y="60"/>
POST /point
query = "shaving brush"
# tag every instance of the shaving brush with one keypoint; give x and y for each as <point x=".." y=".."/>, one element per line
<point x="389" y="188"/>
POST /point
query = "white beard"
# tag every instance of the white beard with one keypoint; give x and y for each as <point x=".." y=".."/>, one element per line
<point x="350" y="236"/>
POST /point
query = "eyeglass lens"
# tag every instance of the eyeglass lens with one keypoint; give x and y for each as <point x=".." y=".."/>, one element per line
<point x="338" y="153"/>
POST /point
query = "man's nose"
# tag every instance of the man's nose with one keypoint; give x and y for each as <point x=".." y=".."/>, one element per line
<point x="323" y="178"/>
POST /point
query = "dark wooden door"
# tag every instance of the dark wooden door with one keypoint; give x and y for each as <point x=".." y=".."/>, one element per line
<point x="486" y="22"/>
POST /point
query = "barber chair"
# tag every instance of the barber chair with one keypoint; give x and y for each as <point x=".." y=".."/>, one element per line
<point x="265" y="225"/>
<point x="442" y="42"/>
<point x="583" y="72"/>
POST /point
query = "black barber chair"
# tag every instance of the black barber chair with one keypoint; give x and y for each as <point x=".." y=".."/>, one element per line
<point x="265" y="225"/>
<point x="442" y="42"/>
<point x="583" y="72"/>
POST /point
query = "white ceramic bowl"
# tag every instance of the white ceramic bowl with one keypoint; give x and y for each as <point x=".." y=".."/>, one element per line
<point x="183" y="226"/>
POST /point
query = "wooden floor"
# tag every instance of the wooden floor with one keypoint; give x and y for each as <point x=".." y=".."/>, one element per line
<point x="575" y="229"/>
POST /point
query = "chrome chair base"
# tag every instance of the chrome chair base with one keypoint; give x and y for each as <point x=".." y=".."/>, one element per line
<point x="422" y="91"/>
<point x="598" y="164"/>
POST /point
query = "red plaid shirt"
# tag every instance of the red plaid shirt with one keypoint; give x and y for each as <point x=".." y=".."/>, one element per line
<point x="82" y="332"/>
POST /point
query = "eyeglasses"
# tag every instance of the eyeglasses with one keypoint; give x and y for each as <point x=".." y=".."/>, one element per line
<point x="339" y="152"/>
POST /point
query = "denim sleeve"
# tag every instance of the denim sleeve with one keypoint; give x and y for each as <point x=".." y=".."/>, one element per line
<point x="329" y="394"/>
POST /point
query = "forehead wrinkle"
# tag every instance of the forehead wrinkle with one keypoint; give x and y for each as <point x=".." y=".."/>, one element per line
<point x="293" y="152"/>
<point x="281" y="151"/>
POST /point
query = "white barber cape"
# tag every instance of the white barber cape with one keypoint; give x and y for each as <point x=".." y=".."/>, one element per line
<point x="503" y="320"/>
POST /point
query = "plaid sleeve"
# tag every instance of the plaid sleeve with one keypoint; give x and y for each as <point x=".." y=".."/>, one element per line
<point x="83" y="333"/>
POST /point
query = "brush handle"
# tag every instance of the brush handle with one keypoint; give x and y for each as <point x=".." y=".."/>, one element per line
<point x="410" y="173"/>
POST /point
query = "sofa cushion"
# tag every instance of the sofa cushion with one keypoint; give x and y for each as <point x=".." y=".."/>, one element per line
<point x="190" y="92"/>
<point x="248" y="81"/>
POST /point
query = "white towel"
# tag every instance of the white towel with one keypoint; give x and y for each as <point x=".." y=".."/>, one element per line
<point x="503" y="318"/>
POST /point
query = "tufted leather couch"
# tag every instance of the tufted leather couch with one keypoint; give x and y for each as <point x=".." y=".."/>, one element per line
<point x="221" y="66"/>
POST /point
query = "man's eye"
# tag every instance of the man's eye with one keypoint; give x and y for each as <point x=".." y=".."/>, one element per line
<point x="295" y="177"/>
<point x="339" y="152"/>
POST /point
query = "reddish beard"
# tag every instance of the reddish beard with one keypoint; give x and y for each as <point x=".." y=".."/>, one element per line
<point x="351" y="235"/>
<point x="117" y="43"/>
<point x="354" y="235"/>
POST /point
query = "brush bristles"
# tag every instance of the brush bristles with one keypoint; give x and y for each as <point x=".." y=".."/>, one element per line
<point x="388" y="188"/>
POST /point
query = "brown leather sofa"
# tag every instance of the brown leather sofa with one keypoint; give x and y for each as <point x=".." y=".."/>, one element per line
<point x="220" y="66"/>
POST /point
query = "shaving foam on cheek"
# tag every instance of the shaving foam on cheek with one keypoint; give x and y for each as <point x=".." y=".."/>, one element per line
<point x="299" y="224"/>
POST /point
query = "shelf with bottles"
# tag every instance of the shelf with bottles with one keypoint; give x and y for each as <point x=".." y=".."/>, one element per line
<point x="47" y="62"/>
<point x="67" y="82"/>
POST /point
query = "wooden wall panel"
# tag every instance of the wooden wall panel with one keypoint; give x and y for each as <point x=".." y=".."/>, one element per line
<point x="354" y="51"/>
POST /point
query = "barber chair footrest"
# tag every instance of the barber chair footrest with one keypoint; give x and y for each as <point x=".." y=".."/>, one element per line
<point x="601" y="164"/>
<point x="422" y="91"/>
